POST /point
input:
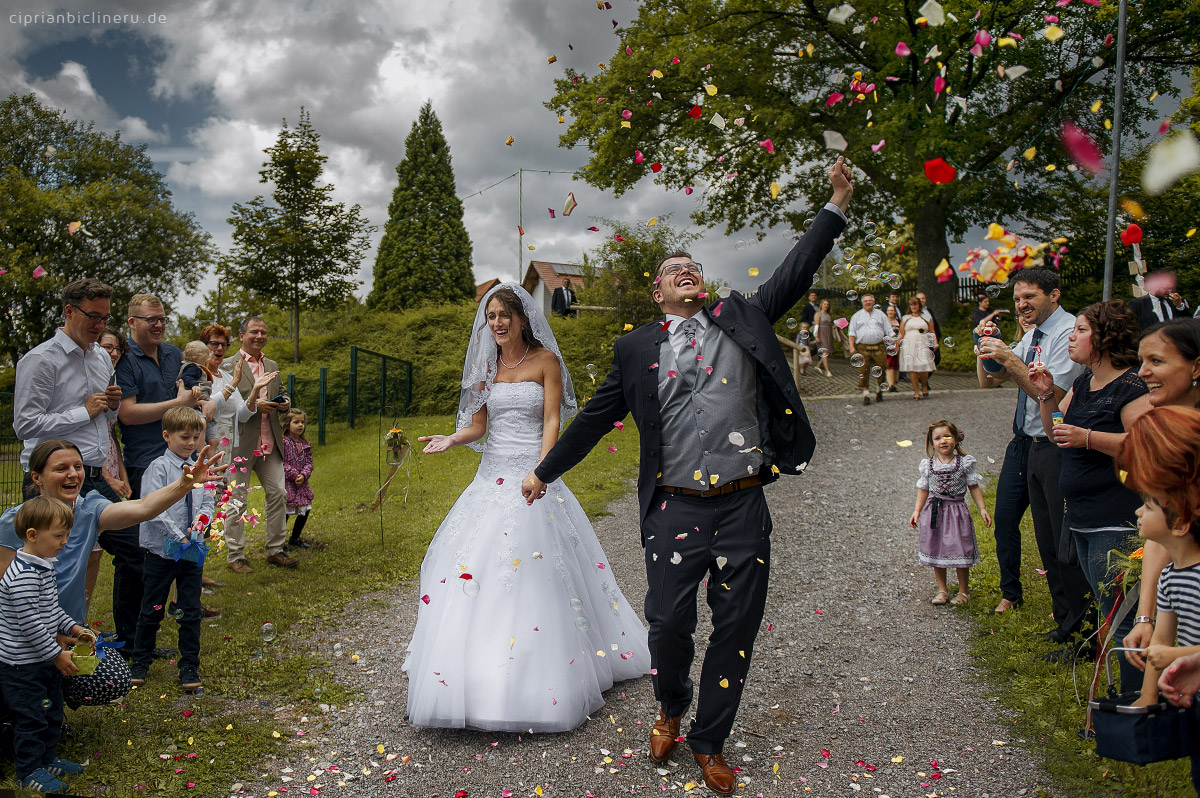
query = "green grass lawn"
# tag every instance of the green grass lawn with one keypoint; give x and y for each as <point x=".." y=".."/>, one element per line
<point x="160" y="740"/>
<point x="1041" y="696"/>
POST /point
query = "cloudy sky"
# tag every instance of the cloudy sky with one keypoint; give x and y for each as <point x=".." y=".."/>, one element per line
<point x="205" y="85"/>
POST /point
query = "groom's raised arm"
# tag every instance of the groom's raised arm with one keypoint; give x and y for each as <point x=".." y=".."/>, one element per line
<point x="794" y="276"/>
<point x="593" y="423"/>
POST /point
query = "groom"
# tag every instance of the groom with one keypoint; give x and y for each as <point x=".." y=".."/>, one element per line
<point x="719" y="417"/>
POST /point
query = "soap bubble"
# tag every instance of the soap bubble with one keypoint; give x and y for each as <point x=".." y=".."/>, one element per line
<point x="849" y="409"/>
<point x="576" y="605"/>
<point x="891" y="351"/>
<point x="177" y="613"/>
<point x="740" y="246"/>
<point x="848" y="252"/>
<point x="856" y="271"/>
<point x="198" y="692"/>
<point x="591" y="369"/>
<point x="808" y="497"/>
<point x="869" y="228"/>
<point x="852" y="295"/>
<point x="582" y="623"/>
<point x="792" y="324"/>
<point x="855" y="444"/>
<point x="948" y="342"/>
<point x="47" y="703"/>
<point x="804" y="336"/>
<point x="808" y="222"/>
<point x="876" y="372"/>
<point x="857" y="360"/>
<point x="869" y="241"/>
<point x="470" y="587"/>
<point x="992" y="290"/>
<point x="269" y="633"/>
<point x="861" y="282"/>
<point x="896" y="281"/>
<point x="822" y="352"/>
<point x="883" y="386"/>
<point x="874" y="259"/>
<point x="751" y="242"/>
<point x="893" y="237"/>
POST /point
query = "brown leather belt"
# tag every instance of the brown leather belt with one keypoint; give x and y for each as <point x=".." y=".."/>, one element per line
<point x="754" y="480"/>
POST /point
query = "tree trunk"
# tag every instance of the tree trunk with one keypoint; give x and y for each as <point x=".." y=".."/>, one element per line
<point x="929" y="236"/>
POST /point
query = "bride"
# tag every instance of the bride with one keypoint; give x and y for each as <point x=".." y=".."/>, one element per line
<point x="521" y="625"/>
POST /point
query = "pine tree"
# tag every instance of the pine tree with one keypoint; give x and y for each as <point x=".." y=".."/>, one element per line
<point x="425" y="255"/>
<point x="304" y="250"/>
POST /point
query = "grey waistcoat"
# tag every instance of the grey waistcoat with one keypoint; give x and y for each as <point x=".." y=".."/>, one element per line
<point x="705" y="426"/>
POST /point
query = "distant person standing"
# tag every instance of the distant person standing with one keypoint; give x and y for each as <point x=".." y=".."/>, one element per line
<point x="809" y="313"/>
<point x="260" y="443"/>
<point x="934" y="327"/>
<point x="868" y="327"/>
<point x="563" y="299"/>
<point x="1161" y="302"/>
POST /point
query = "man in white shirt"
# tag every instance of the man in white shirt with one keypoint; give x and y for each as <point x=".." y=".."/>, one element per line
<point x="64" y="386"/>
<point x="868" y="327"/>
<point x="1029" y="476"/>
<point x="1161" y="302"/>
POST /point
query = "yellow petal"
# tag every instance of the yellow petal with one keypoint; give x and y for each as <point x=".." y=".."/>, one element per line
<point x="995" y="231"/>
<point x="1006" y="41"/>
<point x="654" y="73"/>
<point x="1191" y="232"/>
<point x="711" y="89"/>
<point x="753" y="272"/>
<point x="774" y="190"/>
<point x="626" y="123"/>
<point x="1096" y="106"/>
<point x="652" y="221"/>
<point x="1029" y="153"/>
<point x="809" y="49"/>
<point x="699" y="477"/>
<point x="509" y="141"/>
<point x="628" y="327"/>
<point x="1154" y="96"/>
<point x="712" y="479"/>
<point x="1050" y="167"/>
<point x="904" y="444"/>
<point x="724" y="682"/>
<point x="774" y="469"/>
<point x="1108" y="124"/>
<point x="551" y="59"/>
<point x="561" y="120"/>
<point x="1053" y="33"/>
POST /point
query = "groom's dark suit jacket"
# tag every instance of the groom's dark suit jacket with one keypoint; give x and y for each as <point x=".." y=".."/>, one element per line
<point x="632" y="385"/>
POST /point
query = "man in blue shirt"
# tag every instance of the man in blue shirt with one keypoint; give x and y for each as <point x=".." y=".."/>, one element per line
<point x="1029" y="476"/>
<point x="147" y="377"/>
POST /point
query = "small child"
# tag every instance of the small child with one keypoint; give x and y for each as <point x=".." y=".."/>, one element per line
<point x="194" y="370"/>
<point x="804" y="359"/>
<point x="32" y="663"/>
<point x="183" y="430"/>
<point x="947" y="538"/>
<point x="297" y="468"/>
<point x="1161" y="459"/>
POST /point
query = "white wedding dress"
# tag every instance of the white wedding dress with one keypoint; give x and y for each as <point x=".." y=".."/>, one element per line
<point x="521" y="625"/>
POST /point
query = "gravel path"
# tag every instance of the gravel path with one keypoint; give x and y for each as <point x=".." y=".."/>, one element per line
<point x="858" y="682"/>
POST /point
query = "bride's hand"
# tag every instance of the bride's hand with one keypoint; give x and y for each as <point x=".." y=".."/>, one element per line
<point x="437" y="443"/>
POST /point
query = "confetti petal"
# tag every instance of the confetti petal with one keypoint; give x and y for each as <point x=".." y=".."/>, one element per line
<point x="903" y="50"/>
<point x="939" y="171"/>
<point x="933" y="13"/>
<point x="840" y="14"/>
<point x="1081" y="148"/>
<point x="1169" y="161"/>
<point x="834" y="140"/>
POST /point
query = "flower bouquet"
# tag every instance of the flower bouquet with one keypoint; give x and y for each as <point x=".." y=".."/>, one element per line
<point x="397" y="446"/>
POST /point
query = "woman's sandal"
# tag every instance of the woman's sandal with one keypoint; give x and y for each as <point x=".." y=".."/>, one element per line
<point x="1004" y="606"/>
<point x="939" y="598"/>
<point x="961" y="598"/>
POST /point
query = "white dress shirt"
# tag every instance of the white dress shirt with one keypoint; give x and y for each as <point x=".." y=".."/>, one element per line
<point x="869" y="328"/>
<point x="53" y="381"/>
<point x="1053" y="343"/>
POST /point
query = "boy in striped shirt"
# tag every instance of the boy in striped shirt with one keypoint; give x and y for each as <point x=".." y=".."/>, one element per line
<point x="32" y="663"/>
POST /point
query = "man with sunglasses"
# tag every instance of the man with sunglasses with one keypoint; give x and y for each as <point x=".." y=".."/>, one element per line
<point x="64" y="385"/>
<point x="719" y="414"/>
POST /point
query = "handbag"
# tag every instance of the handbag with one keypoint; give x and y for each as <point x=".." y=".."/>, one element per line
<point x="1138" y="735"/>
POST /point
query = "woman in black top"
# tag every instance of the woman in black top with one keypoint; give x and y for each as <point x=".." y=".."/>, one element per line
<point x="1100" y="406"/>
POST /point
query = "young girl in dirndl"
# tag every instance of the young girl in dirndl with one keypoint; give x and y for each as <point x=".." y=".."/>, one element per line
<point x="947" y="533"/>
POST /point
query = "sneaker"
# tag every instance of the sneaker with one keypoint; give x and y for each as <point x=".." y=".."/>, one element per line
<point x="64" y="767"/>
<point x="137" y="676"/>
<point x="41" y="780"/>
<point x="189" y="680"/>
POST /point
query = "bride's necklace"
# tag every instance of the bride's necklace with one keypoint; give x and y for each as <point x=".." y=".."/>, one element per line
<point x="519" y="362"/>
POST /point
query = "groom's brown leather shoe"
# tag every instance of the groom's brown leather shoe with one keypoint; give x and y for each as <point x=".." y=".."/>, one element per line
<point x="663" y="737"/>
<point x="717" y="774"/>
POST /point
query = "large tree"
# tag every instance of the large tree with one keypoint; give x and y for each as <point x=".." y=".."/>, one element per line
<point x="304" y="250"/>
<point x="55" y="171"/>
<point x="425" y="255"/>
<point x="979" y="90"/>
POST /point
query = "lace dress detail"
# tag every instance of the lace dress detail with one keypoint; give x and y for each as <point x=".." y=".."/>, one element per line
<point x="516" y="600"/>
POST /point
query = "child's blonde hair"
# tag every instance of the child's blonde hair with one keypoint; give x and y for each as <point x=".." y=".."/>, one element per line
<point x="182" y="419"/>
<point x="42" y="513"/>
<point x="197" y="352"/>
<point x="287" y="421"/>
<point x="941" y="422"/>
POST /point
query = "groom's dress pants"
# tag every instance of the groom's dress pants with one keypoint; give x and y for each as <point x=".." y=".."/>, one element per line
<point x="728" y="540"/>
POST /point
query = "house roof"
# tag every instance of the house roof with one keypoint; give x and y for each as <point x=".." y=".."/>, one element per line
<point x="483" y="288"/>
<point x="551" y="274"/>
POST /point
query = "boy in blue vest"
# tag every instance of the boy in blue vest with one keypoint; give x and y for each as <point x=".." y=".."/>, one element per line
<point x="172" y="544"/>
<point x="32" y="663"/>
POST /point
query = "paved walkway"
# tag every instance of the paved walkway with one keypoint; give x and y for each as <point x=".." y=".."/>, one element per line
<point x="844" y="381"/>
<point x="858" y="684"/>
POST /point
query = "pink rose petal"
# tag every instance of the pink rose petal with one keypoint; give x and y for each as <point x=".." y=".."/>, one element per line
<point x="834" y="99"/>
<point x="903" y="50"/>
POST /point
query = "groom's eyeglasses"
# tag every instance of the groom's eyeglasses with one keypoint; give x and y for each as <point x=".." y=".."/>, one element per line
<point x="679" y="268"/>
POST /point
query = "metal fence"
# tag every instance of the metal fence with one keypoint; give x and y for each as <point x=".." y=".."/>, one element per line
<point x="10" y="456"/>
<point x="376" y="384"/>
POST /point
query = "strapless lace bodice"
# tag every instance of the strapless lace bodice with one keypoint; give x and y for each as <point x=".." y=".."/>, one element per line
<point x="514" y="435"/>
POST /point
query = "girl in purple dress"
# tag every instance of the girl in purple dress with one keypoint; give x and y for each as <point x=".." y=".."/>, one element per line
<point x="947" y="533"/>
<point x="297" y="468"/>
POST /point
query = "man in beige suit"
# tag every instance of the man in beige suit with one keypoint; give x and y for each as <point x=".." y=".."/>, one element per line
<point x="260" y="442"/>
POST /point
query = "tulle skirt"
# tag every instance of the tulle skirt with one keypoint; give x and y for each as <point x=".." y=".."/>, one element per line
<point x="521" y="625"/>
